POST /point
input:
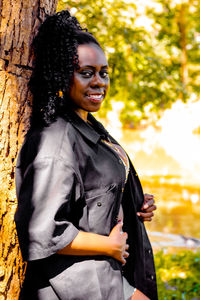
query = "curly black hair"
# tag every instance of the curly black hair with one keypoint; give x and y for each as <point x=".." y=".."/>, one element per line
<point x="55" y="59"/>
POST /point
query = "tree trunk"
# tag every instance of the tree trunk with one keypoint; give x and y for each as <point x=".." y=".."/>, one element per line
<point x="183" y="43"/>
<point x="19" y="20"/>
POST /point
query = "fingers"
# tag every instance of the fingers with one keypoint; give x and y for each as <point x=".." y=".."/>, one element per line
<point x="123" y="258"/>
<point x="118" y="245"/>
<point x="145" y="216"/>
<point x="126" y="247"/>
<point x="148" y="196"/>
<point x="147" y="219"/>
<point x="148" y="203"/>
<point x="149" y="206"/>
<point x="126" y="254"/>
<point x="125" y="235"/>
<point x="119" y="228"/>
<point x="123" y="261"/>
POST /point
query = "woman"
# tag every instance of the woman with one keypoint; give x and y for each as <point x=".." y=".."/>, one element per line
<point x="75" y="185"/>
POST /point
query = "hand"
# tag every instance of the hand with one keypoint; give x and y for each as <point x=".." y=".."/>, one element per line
<point x="147" y="208"/>
<point x="118" y="243"/>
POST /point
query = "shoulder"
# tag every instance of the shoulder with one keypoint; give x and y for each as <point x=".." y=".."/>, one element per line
<point x="55" y="142"/>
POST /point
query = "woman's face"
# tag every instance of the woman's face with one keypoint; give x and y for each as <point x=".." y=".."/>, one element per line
<point x="90" y="82"/>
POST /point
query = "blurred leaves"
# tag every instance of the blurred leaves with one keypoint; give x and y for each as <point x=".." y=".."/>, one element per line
<point x="178" y="31"/>
<point x="145" y="65"/>
<point x="178" y="275"/>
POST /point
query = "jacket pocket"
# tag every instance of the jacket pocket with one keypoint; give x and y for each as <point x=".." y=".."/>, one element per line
<point x="78" y="281"/>
<point x="100" y="206"/>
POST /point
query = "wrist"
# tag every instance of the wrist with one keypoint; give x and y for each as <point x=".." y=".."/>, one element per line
<point x="106" y="246"/>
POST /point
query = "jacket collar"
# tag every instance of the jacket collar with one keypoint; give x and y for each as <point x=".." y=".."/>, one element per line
<point x="93" y="133"/>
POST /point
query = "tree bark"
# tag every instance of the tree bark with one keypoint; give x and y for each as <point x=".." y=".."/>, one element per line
<point x="19" y="21"/>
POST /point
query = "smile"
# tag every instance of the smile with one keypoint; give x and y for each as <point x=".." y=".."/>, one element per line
<point x="95" y="97"/>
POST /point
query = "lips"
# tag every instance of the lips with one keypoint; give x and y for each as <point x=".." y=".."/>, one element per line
<point x="97" y="98"/>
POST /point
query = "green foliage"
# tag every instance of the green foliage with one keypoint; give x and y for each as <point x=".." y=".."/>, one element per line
<point x="178" y="275"/>
<point x="178" y="31"/>
<point x="143" y="66"/>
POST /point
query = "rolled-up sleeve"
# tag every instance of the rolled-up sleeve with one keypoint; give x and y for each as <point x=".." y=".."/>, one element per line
<point x="43" y="216"/>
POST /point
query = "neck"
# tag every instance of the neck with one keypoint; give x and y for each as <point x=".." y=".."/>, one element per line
<point x="82" y="114"/>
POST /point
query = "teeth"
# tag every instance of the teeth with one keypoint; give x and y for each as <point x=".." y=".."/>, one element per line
<point x="98" y="97"/>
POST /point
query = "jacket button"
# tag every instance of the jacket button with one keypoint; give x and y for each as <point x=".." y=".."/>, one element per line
<point x="152" y="277"/>
<point x="122" y="190"/>
<point x="149" y="251"/>
<point x="99" y="203"/>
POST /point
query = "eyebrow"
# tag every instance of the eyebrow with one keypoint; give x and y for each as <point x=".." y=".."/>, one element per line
<point x="92" y="67"/>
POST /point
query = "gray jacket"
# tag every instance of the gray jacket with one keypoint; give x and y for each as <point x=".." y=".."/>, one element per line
<point x="68" y="180"/>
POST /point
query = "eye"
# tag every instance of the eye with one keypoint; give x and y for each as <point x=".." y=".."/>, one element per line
<point x="104" y="74"/>
<point x="87" y="73"/>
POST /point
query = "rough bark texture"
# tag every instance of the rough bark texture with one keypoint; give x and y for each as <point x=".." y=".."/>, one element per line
<point x="19" y="20"/>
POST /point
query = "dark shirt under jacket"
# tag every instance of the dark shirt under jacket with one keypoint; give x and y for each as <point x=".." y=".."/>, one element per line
<point x="68" y="180"/>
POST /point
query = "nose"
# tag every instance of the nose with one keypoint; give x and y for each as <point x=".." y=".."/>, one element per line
<point x="98" y="81"/>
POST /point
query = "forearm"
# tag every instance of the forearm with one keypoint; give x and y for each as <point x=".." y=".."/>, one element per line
<point x="87" y="243"/>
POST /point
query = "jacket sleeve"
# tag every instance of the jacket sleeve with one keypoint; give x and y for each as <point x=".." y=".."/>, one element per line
<point x="47" y="190"/>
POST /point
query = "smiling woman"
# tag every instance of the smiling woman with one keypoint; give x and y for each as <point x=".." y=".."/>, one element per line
<point x="77" y="189"/>
<point x="90" y="81"/>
